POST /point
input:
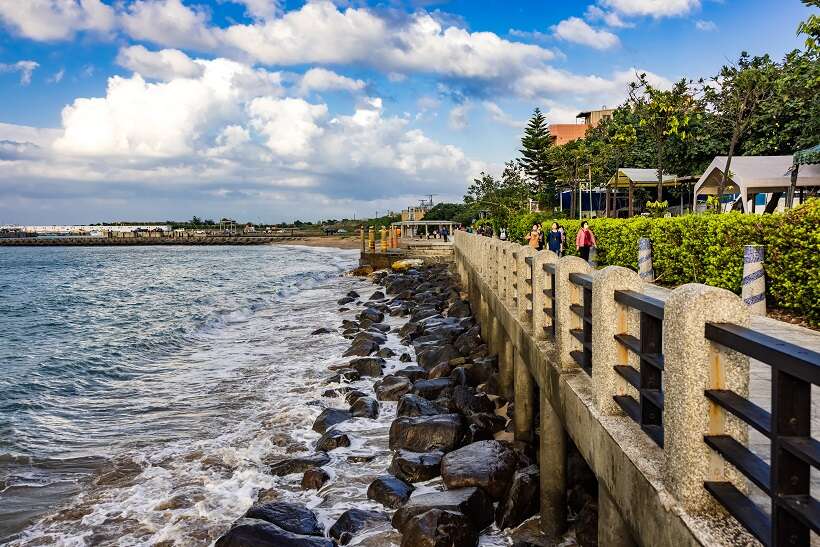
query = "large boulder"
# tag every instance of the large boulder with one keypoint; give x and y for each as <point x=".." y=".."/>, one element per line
<point x="469" y="342"/>
<point x="332" y="439"/>
<point x="416" y="466"/>
<point x="371" y="314"/>
<point x="486" y="464"/>
<point x="414" y="405"/>
<point x="353" y="521"/>
<point x="391" y="388"/>
<point x="330" y="417"/>
<point x="314" y="478"/>
<point x="429" y="357"/>
<point x="459" y="308"/>
<point x="259" y="533"/>
<point x="365" y="407"/>
<point x="387" y="353"/>
<point x="367" y="366"/>
<point x="293" y="517"/>
<point x="469" y="402"/>
<point x="521" y="502"/>
<point x="389" y="491"/>
<point x="362" y="348"/>
<point x="471" y="502"/>
<point x="413" y="373"/>
<point x="433" y="389"/>
<point x="439" y="528"/>
<point x="480" y="370"/>
<point x="299" y="464"/>
<point x="425" y="433"/>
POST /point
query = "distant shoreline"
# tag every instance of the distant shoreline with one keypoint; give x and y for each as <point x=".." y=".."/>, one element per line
<point x="310" y="241"/>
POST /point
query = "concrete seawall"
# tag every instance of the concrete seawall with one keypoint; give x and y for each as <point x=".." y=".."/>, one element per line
<point x="136" y="241"/>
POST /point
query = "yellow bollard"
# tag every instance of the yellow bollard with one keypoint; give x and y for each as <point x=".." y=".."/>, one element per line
<point x="361" y="235"/>
<point x="397" y="235"/>
<point x="371" y="239"/>
<point x="383" y="238"/>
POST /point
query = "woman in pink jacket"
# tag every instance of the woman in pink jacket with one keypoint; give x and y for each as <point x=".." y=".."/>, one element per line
<point x="585" y="240"/>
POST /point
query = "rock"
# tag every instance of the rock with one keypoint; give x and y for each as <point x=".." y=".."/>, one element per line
<point x="353" y="294"/>
<point x="471" y="502"/>
<point x="292" y="517"/>
<point x="365" y="407"/>
<point x="381" y="327"/>
<point x="459" y="308"/>
<point x="344" y="375"/>
<point x="586" y="525"/>
<point x="314" y="478"/>
<point x="389" y="491"/>
<point x="468" y="402"/>
<point x="412" y="373"/>
<point x="391" y="388"/>
<point x="468" y="342"/>
<point x="361" y="347"/>
<point x="416" y="466"/>
<point x="258" y="533"/>
<point x="487" y="421"/>
<point x="433" y="389"/>
<point x="486" y="464"/>
<point x="330" y="417"/>
<point x="336" y="392"/>
<point x="367" y="366"/>
<point x="299" y="464"/>
<point x="425" y="433"/>
<point x="413" y="405"/>
<point x="378" y="295"/>
<point x="410" y="330"/>
<point x="362" y="271"/>
<point x="371" y="314"/>
<point x="332" y="439"/>
<point x="349" y="333"/>
<point x="345" y="300"/>
<point x="353" y="395"/>
<point x="521" y="502"/>
<point x="322" y="330"/>
<point x="353" y="521"/>
<point x="441" y="370"/>
<point x="480" y="370"/>
<point x="405" y="358"/>
<point x="438" y="528"/>
<point x="348" y="324"/>
<point x="430" y="357"/>
<point x="386" y="352"/>
<point x="459" y="376"/>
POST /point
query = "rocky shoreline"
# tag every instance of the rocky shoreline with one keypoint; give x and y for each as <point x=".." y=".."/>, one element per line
<point x="452" y="427"/>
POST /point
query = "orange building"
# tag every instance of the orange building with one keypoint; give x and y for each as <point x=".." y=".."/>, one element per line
<point x="568" y="132"/>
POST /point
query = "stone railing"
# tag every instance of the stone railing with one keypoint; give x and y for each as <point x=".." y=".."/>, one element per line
<point x="679" y="368"/>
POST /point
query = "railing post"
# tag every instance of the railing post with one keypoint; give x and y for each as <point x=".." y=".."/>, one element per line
<point x="693" y="364"/>
<point x="753" y="285"/>
<point x="361" y="234"/>
<point x="541" y="281"/>
<point x="512" y="276"/>
<point x="567" y="293"/>
<point x="525" y="286"/>
<point x="645" y="268"/>
<point x="608" y="319"/>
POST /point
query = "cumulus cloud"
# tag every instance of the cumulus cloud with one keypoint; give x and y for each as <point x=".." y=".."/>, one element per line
<point x="56" y="19"/>
<point x="170" y="23"/>
<point x="25" y="68"/>
<point x="289" y="124"/>
<point x="499" y="116"/>
<point x="321" y="79"/>
<point x="457" y="119"/>
<point x="652" y="8"/>
<point x="261" y="9"/>
<point x="165" y="64"/>
<point x="609" y="18"/>
<point x="576" y="30"/>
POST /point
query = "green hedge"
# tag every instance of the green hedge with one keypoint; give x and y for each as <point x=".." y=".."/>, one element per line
<point x="708" y="248"/>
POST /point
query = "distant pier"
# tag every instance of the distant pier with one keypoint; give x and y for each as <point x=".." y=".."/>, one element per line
<point x="141" y="241"/>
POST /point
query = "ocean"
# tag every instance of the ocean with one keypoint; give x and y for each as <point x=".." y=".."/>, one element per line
<point x="145" y="390"/>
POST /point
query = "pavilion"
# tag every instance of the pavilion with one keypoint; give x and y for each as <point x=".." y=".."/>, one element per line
<point x="629" y="178"/>
<point x="411" y="228"/>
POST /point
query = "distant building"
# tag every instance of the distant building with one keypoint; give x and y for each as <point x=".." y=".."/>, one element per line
<point x="568" y="132"/>
<point x="414" y="213"/>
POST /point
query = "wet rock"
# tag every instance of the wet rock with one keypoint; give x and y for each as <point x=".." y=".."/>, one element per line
<point x="391" y="388"/>
<point x="330" y="417"/>
<point x="353" y="395"/>
<point x="371" y="314"/>
<point x="353" y="521"/>
<point x="468" y="402"/>
<point x="344" y="375"/>
<point x="353" y="294"/>
<point x="314" y="478"/>
<point x="471" y="502"/>
<point x="258" y="533"/>
<point x="405" y="358"/>
<point x="322" y="330"/>
<point x="332" y="439"/>
<point x="433" y="389"/>
<point x="348" y="324"/>
<point x="386" y="352"/>
<point x="441" y="370"/>
<point x="349" y="333"/>
<point x="361" y="347"/>
<point x="365" y="407"/>
<point x="414" y="405"/>
<point x="425" y="433"/>
<point x="381" y="327"/>
<point x="292" y="517"/>
<point x="432" y="356"/>
<point x="410" y="330"/>
<point x="459" y="308"/>
<point x="438" y="528"/>
<point x="489" y="422"/>
<point x="345" y="300"/>
<point x="336" y="392"/>
<point x="416" y="466"/>
<point x="459" y="376"/>
<point x="367" y="366"/>
<point x="481" y="370"/>
<point x="412" y="373"/>
<point x="389" y="491"/>
<point x="521" y="502"/>
<point x="370" y="336"/>
<point x="299" y="464"/>
<point x="378" y="295"/>
<point x="468" y="342"/>
<point x="487" y="464"/>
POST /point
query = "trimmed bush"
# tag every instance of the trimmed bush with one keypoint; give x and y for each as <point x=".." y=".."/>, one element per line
<point x="708" y="248"/>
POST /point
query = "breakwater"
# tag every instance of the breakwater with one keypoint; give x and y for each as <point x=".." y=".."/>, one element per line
<point x="140" y="241"/>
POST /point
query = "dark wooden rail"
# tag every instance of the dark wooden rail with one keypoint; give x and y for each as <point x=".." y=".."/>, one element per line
<point x="795" y="513"/>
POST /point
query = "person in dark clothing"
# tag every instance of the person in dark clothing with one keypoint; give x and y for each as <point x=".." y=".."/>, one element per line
<point x="554" y="239"/>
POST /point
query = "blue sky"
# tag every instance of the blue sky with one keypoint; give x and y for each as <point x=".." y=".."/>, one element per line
<point x="268" y="110"/>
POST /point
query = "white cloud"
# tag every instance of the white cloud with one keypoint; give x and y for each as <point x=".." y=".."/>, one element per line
<point x="57" y="77"/>
<point x="261" y="9"/>
<point x="56" y="19"/>
<point x="705" y="26"/>
<point x="457" y="119"/>
<point x="170" y="23"/>
<point x="576" y="30"/>
<point x="595" y="89"/>
<point x="165" y="64"/>
<point x="290" y="125"/>
<point x="501" y="117"/>
<point x="321" y="79"/>
<point x="609" y="18"/>
<point x="25" y="68"/>
<point x="653" y="8"/>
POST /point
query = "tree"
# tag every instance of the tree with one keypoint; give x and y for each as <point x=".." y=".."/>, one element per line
<point x="534" y="159"/>
<point x="445" y="211"/>
<point x="664" y="115"/>
<point x="502" y="197"/>
<point x="735" y="95"/>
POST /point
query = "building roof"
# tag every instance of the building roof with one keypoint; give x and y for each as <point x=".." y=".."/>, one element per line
<point x="808" y="156"/>
<point x="640" y="177"/>
<point x="756" y="174"/>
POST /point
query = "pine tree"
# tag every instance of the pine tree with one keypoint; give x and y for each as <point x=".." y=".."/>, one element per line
<point x="535" y="160"/>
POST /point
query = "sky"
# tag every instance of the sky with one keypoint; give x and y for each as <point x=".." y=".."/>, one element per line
<point x="274" y="110"/>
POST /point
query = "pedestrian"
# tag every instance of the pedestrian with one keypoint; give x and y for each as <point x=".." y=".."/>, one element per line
<point x="563" y="248"/>
<point x="444" y="234"/>
<point x="554" y="237"/>
<point x="541" y="237"/>
<point x="585" y="240"/>
<point x="533" y="236"/>
<point x="503" y="235"/>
